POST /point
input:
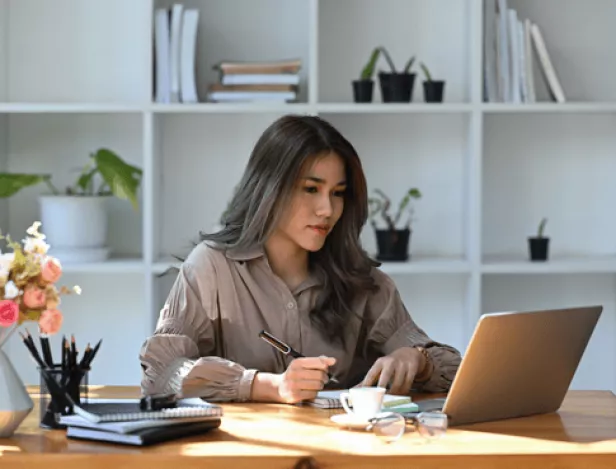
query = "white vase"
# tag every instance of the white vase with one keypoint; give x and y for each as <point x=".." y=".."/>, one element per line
<point x="15" y="402"/>
<point x="75" y="226"/>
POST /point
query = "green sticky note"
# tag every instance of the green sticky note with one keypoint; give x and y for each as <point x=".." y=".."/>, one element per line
<point x="408" y="407"/>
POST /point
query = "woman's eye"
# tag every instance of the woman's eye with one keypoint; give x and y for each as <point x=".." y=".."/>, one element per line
<point x="340" y="193"/>
<point x="311" y="190"/>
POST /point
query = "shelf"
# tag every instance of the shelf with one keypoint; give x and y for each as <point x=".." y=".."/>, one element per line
<point x="281" y="108"/>
<point x="394" y="108"/>
<point x="245" y="107"/>
<point x="427" y="265"/>
<point x="580" y="107"/>
<point x="52" y="108"/>
<point x="555" y="265"/>
<point x="112" y="266"/>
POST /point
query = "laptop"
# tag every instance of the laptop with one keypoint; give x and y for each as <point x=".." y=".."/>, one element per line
<point x="517" y="364"/>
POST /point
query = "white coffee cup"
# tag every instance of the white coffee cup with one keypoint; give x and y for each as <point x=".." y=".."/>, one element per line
<point x="367" y="401"/>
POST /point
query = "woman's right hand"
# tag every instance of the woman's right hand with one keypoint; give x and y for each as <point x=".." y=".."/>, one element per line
<point x="302" y="380"/>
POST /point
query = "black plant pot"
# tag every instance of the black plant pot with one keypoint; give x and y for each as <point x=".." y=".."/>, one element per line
<point x="433" y="91"/>
<point x="396" y="87"/>
<point x="362" y="91"/>
<point x="393" y="245"/>
<point x="539" y="248"/>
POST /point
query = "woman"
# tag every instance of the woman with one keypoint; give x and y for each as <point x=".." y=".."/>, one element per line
<point x="289" y="261"/>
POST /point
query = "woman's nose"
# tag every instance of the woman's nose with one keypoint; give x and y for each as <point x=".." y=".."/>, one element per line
<point x="324" y="207"/>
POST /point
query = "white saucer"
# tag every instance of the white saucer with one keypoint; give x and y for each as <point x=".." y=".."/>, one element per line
<point x="351" y="421"/>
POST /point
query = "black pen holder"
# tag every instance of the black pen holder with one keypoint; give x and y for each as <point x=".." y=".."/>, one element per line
<point x="52" y="406"/>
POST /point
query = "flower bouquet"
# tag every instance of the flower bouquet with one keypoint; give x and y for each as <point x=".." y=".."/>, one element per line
<point x="28" y="292"/>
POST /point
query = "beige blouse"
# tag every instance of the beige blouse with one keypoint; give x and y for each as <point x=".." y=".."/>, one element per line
<point x="206" y="341"/>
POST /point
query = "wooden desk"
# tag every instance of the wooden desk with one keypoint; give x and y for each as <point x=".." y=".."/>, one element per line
<point x="279" y="436"/>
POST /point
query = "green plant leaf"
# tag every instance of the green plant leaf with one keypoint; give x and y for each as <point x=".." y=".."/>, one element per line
<point x="388" y="58"/>
<point x="368" y="70"/>
<point x="541" y="228"/>
<point x="85" y="180"/>
<point x="409" y="64"/>
<point x="412" y="193"/>
<point x="122" y="178"/>
<point x="426" y="72"/>
<point x="11" y="183"/>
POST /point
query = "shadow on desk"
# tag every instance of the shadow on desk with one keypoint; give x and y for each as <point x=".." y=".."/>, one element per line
<point x="558" y="426"/>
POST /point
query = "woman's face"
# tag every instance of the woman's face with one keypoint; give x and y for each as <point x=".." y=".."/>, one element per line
<point x="316" y="204"/>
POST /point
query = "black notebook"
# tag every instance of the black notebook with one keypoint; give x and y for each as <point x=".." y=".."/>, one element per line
<point x="145" y="436"/>
<point x="121" y="410"/>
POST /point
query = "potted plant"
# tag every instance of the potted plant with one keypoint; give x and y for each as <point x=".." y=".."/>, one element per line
<point x="433" y="89"/>
<point x="396" y="86"/>
<point x="538" y="246"/>
<point x="364" y="86"/>
<point x="393" y="240"/>
<point x="75" y="220"/>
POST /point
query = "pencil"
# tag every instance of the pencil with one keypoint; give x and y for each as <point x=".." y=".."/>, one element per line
<point x="30" y="346"/>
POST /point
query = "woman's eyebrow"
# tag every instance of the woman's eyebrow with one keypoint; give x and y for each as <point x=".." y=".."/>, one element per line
<point x="322" y="181"/>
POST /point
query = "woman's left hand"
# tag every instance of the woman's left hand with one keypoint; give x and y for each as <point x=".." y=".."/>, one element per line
<point x="398" y="369"/>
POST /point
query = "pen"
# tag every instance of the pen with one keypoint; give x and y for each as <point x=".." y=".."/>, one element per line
<point x="287" y="349"/>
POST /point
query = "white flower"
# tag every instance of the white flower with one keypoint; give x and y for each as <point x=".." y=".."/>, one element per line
<point x="33" y="230"/>
<point x="77" y="289"/>
<point x="10" y="290"/>
<point x="35" y="245"/>
<point x="6" y="260"/>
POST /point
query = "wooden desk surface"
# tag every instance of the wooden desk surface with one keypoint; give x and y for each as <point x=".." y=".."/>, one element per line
<point x="279" y="436"/>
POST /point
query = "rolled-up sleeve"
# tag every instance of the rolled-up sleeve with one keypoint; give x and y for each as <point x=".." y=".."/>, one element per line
<point x="392" y="327"/>
<point x="180" y="357"/>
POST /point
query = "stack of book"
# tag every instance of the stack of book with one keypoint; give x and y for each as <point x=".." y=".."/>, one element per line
<point x="509" y="68"/>
<point x="175" y="46"/>
<point x="256" y="81"/>
<point x="122" y="421"/>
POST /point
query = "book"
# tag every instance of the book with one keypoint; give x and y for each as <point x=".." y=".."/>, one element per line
<point x="144" y="436"/>
<point x="120" y="410"/>
<point x="129" y="426"/>
<point x="291" y="66"/>
<point x="331" y="400"/>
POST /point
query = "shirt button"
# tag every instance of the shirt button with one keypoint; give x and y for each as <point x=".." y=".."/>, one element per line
<point x="290" y="305"/>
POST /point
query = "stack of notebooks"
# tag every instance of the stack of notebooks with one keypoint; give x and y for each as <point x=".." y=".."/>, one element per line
<point x="391" y="402"/>
<point x="121" y="421"/>
<point x="276" y="81"/>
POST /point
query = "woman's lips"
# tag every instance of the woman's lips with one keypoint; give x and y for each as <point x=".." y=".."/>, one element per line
<point x="319" y="229"/>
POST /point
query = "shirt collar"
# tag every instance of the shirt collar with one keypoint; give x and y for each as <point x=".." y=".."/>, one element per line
<point x="244" y="254"/>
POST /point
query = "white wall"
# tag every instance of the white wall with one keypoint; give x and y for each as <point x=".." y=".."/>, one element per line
<point x="86" y="51"/>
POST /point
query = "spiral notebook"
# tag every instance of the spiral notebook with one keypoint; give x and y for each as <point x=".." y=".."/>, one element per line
<point x="331" y="400"/>
<point x="122" y="410"/>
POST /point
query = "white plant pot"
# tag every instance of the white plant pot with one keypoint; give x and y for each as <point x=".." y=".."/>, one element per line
<point x="75" y="226"/>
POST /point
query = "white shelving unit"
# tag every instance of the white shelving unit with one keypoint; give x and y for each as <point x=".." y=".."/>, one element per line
<point x="77" y="75"/>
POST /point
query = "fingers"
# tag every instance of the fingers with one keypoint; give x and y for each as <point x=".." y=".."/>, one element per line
<point x="402" y="381"/>
<point x="390" y="372"/>
<point x="387" y="373"/>
<point x="373" y="374"/>
<point x="303" y="374"/>
<point x="304" y="377"/>
<point x="314" y="363"/>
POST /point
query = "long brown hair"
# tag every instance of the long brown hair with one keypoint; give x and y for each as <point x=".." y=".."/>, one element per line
<point x="254" y="210"/>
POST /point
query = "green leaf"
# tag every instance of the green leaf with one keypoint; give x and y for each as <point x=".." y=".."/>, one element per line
<point x="85" y="179"/>
<point x="368" y="70"/>
<point x="388" y="58"/>
<point x="122" y="178"/>
<point x="409" y="64"/>
<point x="426" y="71"/>
<point x="11" y="183"/>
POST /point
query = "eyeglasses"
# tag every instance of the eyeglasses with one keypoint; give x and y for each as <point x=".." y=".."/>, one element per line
<point x="390" y="426"/>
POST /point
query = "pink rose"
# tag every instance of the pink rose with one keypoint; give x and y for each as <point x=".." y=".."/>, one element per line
<point x="51" y="270"/>
<point x="50" y="321"/>
<point x="9" y="312"/>
<point x="34" y="297"/>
